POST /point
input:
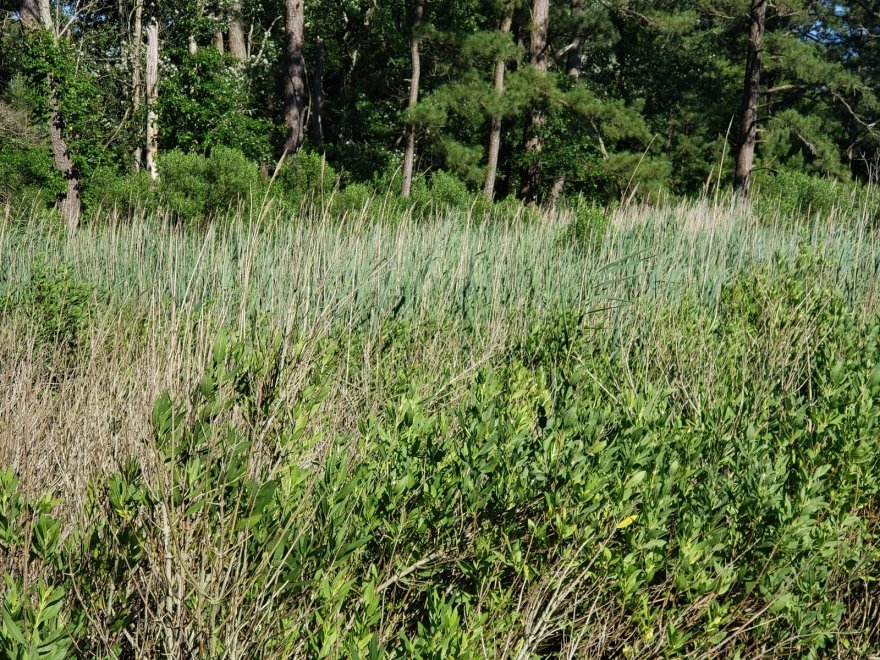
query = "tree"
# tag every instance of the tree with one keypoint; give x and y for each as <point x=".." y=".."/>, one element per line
<point x="152" y="79"/>
<point x="748" y="128"/>
<point x="295" y="75"/>
<point x="316" y="126"/>
<point x="533" y="143"/>
<point x="36" y="19"/>
<point x="410" y="151"/>
<point x="237" y="40"/>
<point x="495" y="121"/>
<point x="573" y="64"/>
<point x="137" y="50"/>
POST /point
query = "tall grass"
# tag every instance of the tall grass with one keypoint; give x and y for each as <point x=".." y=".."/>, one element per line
<point x="357" y="337"/>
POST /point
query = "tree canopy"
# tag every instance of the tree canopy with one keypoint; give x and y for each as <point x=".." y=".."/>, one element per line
<point x="601" y="97"/>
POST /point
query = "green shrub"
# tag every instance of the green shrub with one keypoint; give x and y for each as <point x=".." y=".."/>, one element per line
<point x="587" y="228"/>
<point x="795" y="194"/>
<point x="306" y="176"/>
<point x="34" y="619"/>
<point x="56" y="304"/>
<point x="28" y="178"/>
<point x="204" y="101"/>
<point x="352" y="199"/>
<point x="446" y="191"/>
<point x="194" y="187"/>
<point x="126" y="193"/>
<point x="184" y="189"/>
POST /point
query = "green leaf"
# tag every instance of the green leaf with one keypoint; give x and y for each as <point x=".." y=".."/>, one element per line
<point x="11" y="629"/>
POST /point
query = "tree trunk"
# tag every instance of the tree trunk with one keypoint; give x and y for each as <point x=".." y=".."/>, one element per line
<point x="573" y="65"/>
<point x="36" y="15"/>
<point x="70" y="204"/>
<point x="316" y="128"/>
<point x="152" y="98"/>
<point x="748" y="132"/>
<point x="410" y="153"/>
<point x="30" y="15"/>
<point x="237" y="41"/>
<point x="575" y="55"/>
<point x="295" y="78"/>
<point x="46" y="16"/>
<point x="219" y="42"/>
<point x="137" y="40"/>
<point x="531" y="172"/>
<point x="495" y="129"/>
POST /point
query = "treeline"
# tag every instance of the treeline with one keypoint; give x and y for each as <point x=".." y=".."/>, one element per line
<point x="533" y="99"/>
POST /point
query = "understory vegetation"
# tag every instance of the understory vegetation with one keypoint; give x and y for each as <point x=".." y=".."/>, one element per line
<point x="452" y="432"/>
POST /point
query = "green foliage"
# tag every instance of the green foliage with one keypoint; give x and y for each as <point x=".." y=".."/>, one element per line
<point x="29" y="178"/>
<point x="306" y="177"/>
<point x="353" y="199"/>
<point x="194" y="187"/>
<point x="204" y="101"/>
<point x="34" y="622"/>
<point x="126" y="193"/>
<point x="57" y="305"/>
<point x="587" y="228"/>
<point x="795" y="195"/>
<point x="445" y="190"/>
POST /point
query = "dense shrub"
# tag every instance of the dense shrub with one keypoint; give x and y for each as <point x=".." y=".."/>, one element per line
<point x="28" y="178"/>
<point x="55" y="303"/>
<point x="306" y="176"/>
<point x="192" y="187"/>
<point x="195" y="187"/>
<point x="205" y="105"/>
<point x="352" y="199"/>
<point x="127" y="194"/>
<point x="552" y="489"/>
<point x="443" y="190"/>
<point x="587" y="228"/>
<point x="794" y="195"/>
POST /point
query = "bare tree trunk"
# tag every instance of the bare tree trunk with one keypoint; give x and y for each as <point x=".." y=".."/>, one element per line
<point x="409" y="155"/>
<point x="70" y="204"/>
<point x="534" y="144"/>
<point x="219" y="43"/>
<point x="316" y="128"/>
<point x="36" y="15"/>
<point x="152" y="98"/>
<point x="46" y="16"/>
<point x="295" y="78"/>
<point x="237" y="42"/>
<point x="31" y="18"/>
<point x="137" y="41"/>
<point x="495" y="129"/>
<point x="748" y="132"/>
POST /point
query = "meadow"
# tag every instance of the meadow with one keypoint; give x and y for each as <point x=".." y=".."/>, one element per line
<point x="648" y="433"/>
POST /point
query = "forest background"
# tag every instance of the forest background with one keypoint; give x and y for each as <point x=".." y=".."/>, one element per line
<point x="193" y="106"/>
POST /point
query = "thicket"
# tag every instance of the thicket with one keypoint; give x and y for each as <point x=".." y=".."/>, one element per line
<point x="197" y="189"/>
<point x="677" y="457"/>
